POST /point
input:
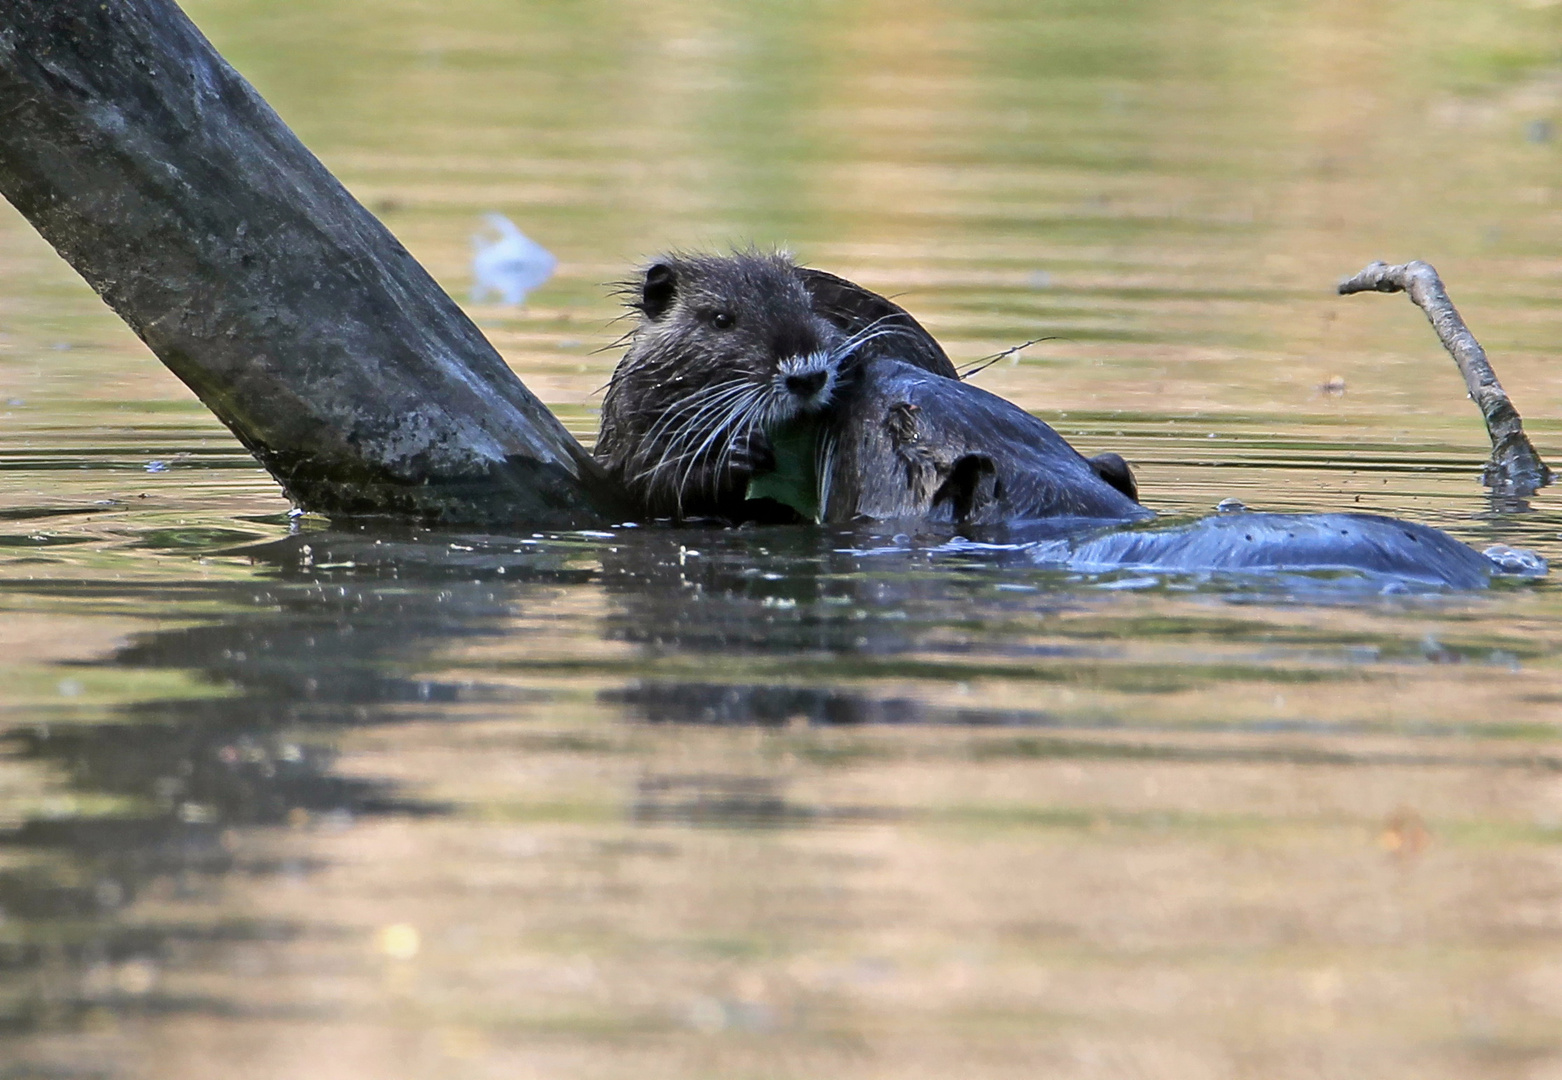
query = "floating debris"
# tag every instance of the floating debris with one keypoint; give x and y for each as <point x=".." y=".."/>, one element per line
<point x="1520" y="561"/>
<point x="157" y="466"/>
<point x="1404" y="834"/>
<point x="1230" y="506"/>
<point x="507" y="263"/>
<point x="1333" y="386"/>
<point x="399" y="941"/>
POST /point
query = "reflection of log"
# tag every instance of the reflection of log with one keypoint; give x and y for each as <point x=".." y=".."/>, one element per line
<point x="1514" y="467"/>
<point x="165" y="180"/>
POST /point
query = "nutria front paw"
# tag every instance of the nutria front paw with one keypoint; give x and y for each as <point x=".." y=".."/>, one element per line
<point x="753" y="455"/>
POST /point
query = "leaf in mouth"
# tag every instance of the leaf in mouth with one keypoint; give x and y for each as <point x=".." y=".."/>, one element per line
<point x="794" y="481"/>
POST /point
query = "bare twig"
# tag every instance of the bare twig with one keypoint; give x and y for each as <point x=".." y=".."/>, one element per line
<point x="1514" y="467"/>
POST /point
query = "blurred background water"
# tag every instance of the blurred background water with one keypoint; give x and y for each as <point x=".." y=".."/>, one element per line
<point x="284" y="801"/>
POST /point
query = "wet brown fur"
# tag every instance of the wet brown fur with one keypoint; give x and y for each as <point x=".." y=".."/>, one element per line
<point x="684" y="415"/>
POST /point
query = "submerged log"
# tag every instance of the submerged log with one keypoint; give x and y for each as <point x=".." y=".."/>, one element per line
<point x="169" y="184"/>
<point x="1514" y="468"/>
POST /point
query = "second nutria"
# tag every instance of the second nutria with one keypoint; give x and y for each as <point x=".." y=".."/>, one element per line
<point x="727" y="348"/>
<point x="910" y="446"/>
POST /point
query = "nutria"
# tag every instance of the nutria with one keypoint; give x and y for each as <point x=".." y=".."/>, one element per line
<point x="852" y="309"/>
<point x="725" y="349"/>
<point x="906" y="445"/>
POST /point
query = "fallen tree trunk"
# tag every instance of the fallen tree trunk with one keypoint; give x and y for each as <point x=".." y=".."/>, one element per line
<point x="295" y="316"/>
<point x="1514" y="467"/>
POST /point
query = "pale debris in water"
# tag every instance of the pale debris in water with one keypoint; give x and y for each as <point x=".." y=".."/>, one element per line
<point x="1520" y="561"/>
<point x="399" y="941"/>
<point x="507" y="263"/>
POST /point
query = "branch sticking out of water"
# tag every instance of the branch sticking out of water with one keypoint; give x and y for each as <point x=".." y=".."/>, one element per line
<point x="1515" y="467"/>
<point x="160" y="175"/>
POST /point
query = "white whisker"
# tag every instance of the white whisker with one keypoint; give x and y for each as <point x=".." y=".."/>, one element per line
<point x="735" y="419"/>
<point x="874" y="329"/>
<point x="688" y="421"/>
<point x="824" y="464"/>
<point x="715" y="400"/>
<point x="857" y="341"/>
<point x="693" y="401"/>
<point x="744" y="428"/>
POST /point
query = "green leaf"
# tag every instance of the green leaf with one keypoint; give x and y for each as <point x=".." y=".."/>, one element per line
<point x="795" y="480"/>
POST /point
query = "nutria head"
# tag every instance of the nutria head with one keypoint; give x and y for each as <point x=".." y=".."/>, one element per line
<point x="726" y="349"/>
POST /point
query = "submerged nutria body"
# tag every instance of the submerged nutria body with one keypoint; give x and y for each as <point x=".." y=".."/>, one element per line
<point x="726" y="349"/>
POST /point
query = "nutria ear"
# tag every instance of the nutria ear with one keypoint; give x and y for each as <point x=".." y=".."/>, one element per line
<point x="656" y="294"/>
<point x="1115" y="471"/>
<point x="971" y="487"/>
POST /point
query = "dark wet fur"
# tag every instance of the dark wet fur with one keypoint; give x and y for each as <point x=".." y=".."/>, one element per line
<point x="914" y="447"/>
<point x="908" y="449"/>
<point x="1280" y="543"/>
<point x="852" y="309"/>
<point x="684" y="416"/>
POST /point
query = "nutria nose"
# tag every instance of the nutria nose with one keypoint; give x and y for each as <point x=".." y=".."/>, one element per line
<point x="806" y="385"/>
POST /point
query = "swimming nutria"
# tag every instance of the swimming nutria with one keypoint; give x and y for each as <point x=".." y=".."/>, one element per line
<point x="727" y="348"/>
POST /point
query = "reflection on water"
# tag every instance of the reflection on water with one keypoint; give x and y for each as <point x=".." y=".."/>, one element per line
<point x="629" y="803"/>
<point x="292" y="800"/>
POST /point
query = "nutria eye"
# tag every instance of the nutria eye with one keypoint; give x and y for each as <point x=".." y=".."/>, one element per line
<point x="721" y="320"/>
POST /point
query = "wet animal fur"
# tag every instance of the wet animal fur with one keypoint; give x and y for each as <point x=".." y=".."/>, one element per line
<point x="724" y="348"/>
<point x="910" y="447"/>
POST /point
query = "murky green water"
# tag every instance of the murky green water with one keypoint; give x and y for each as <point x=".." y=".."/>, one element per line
<point x="283" y="804"/>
